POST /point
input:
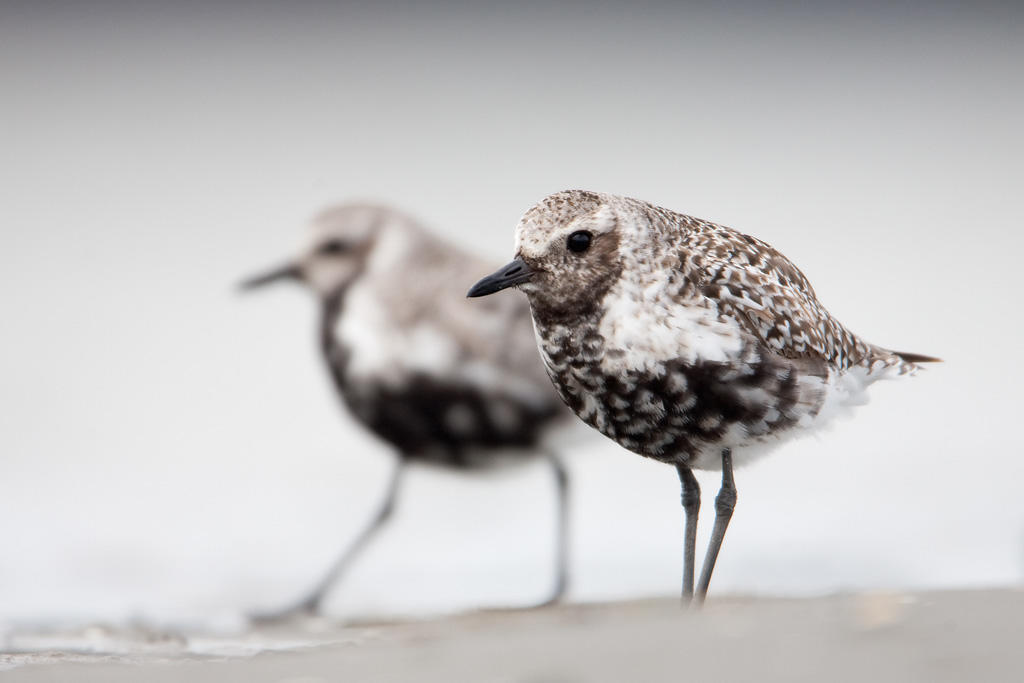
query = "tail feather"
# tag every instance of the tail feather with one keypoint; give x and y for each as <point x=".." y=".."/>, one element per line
<point x="917" y="357"/>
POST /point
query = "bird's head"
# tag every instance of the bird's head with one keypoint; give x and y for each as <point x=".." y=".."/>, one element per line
<point x="567" y="254"/>
<point x="340" y="242"/>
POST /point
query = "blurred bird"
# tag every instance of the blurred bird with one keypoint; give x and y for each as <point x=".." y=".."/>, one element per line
<point x="682" y="340"/>
<point x="442" y="381"/>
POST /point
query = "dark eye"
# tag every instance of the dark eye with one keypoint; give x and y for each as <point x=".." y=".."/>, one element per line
<point x="579" y="241"/>
<point x="332" y="248"/>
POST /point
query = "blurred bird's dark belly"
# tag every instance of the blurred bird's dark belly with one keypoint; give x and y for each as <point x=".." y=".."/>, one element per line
<point x="429" y="420"/>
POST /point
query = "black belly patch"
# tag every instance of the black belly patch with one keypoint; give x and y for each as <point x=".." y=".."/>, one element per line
<point x="431" y="420"/>
<point x="672" y="415"/>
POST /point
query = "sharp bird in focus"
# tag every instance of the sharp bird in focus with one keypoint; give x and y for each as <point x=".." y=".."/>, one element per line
<point x="683" y="341"/>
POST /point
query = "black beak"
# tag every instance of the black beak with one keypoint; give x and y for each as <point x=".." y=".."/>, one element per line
<point x="286" y="272"/>
<point x="514" y="273"/>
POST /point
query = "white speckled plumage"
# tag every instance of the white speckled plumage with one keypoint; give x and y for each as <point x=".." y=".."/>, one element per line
<point x="682" y="340"/>
<point x="659" y="294"/>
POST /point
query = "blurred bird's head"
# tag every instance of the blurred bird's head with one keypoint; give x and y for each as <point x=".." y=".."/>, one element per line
<point x="341" y="240"/>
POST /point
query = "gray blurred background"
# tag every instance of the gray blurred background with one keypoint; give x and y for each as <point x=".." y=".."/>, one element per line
<point x="173" y="451"/>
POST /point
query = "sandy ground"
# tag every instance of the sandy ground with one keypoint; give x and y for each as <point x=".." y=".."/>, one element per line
<point x="947" y="636"/>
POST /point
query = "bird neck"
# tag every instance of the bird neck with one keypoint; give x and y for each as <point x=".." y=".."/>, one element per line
<point x="334" y="352"/>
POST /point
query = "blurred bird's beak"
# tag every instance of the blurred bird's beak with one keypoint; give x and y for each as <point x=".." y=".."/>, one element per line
<point x="286" y="272"/>
<point x="515" y="273"/>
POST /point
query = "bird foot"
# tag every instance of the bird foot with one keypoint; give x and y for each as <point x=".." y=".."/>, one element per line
<point x="302" y="611"/>
<point x="555" y="598"/>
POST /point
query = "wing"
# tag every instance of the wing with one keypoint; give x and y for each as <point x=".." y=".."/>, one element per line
<point x="770" y="299"/>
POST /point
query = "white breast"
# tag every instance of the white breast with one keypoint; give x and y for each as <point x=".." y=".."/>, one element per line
<point x="644" y="327"/>
<point x="383" y="353"/>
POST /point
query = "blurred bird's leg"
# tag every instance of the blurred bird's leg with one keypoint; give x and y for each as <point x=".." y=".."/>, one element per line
<point x="562" y="530"/>
<point x="312" y="603"/>
<point x="724" y="504"/>
<point x="691" y="511"/>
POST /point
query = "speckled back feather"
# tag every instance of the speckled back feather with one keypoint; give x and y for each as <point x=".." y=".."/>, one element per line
<point x="764" y="292"/>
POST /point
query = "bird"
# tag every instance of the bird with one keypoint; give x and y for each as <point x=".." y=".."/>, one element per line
<point x="683" y="341"/>
<point x="443" y="382"/>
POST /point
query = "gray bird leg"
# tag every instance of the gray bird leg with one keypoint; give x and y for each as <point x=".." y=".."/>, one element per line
<point x="725" y="502"/>
<point x="691" y="510"/>
<point x="312" y="603"/>
<point x="562" y="530"/>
